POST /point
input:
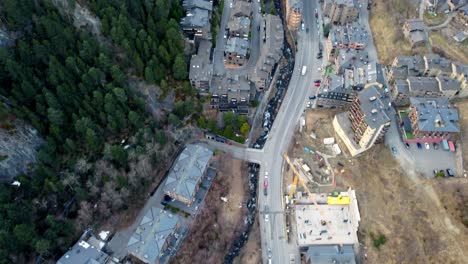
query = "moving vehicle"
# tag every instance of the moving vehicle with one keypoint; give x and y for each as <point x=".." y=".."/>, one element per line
<point x="317" y="84"/>
<point x="304" y="70"/>
<point x="317" y="81"/>
<point x="303" y="26"/>
<point x="266" y="174"/>
<point x="419" y="145"/>
<point x="267" y="213"/>
<point x="427" y="145"/>
<point x="435" y="146"/>
<point x="394" y="150"/>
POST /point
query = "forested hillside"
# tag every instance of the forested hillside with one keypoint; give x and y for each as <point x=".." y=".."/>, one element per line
<point x="74" y="90"/>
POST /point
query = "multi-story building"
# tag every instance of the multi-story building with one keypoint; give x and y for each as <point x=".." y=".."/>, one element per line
<point x="236" y="51"/>
<point x="414" y="30"/>
<point x="271" y="47"/>
<point x="89" y="249"/>
<point x="365" y="123"/>
<point x="349" y="37"/>
<point x="239" y="27"/>
<point x="404" y="66"/>
<point x="233" y="93"/>
<point x="187" y="172"/>
<point x="341" y="11"/>
<point x="201" y="68"/>
<point x="294" y="9"/>
<point x="242" y="8"/>
<point x="432" y="119"/>
<point x="402" y="90"/>
<point x="152" y="237"/>
<point x="196" y="23"/>
<point x="435" y="65"/>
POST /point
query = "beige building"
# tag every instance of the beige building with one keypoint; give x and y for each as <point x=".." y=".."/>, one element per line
<point x="294" y="13"/>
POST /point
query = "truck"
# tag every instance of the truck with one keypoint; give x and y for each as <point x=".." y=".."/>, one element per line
<point x="445" y="145"/>
<point x="304" y="70"/>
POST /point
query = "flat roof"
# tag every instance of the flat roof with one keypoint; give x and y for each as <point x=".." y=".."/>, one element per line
<point x="374" y="107"/>
<point x="331" y="254"/>
<point x="85" y="251"/>
<point x="327" y="224"/>
<point x="196" y="18"/>
<point x="237" y="45"/>
<point x="201" y="68"/>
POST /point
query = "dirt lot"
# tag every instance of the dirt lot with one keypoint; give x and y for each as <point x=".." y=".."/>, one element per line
<point x="421" y="219"/>
<point x="251" y="252"/>
<point x="217" y="224"/>
<point x="386" y="21"/>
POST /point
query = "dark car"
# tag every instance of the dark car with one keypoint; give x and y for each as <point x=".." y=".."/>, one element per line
<point x="419" y="145"/>
<point x="312" y="97"/>
<point x="394" y="150"/>
<point x="435" y="145"/>
<point x="317" y="81"/>
<point x="450" y="173"/>
<point x="407" y="146"/>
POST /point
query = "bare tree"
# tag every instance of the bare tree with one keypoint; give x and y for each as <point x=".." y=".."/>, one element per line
<point x="70" y="179"/>
<point x="82" y="166"/>
<point x="85" y="214"/>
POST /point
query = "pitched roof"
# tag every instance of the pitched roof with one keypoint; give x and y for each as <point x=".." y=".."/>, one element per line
<point x="435" y="114"/>
<point x="188" y="170"/>
<point x="374" y="107"/>
<point x="148" y="240"/>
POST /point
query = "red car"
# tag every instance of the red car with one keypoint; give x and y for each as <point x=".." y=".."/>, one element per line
<point x="265" y="184"/>
<point x="317" y="84"/>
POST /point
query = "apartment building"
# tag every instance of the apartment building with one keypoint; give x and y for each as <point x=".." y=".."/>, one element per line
<point x="201" y="68"/>
<point x="236" y="51"/>
<point x="294" y="9"/>
<point x="196" y="23"/>
<point x="271" y="47"/>
<point x="365" y="123"/>
<point x="403" y="67"/>
<point x="433" y="119"/>
<point x="239" y="27"/>
<point x="341" y="12"/>
<point x="349" y="37"/>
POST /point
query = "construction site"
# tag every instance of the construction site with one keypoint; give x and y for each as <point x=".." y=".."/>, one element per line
<point x="366" y="209"/>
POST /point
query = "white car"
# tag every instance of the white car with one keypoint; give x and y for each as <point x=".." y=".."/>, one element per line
<point x="266" y="174"/>
<point x="230" y="5"/>
<point x="427" y="145"/>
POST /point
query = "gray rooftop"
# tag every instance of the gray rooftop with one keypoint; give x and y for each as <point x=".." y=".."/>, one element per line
<point x="196" y="18"/>
<point x="331" y="254"/>
<point x="435" y="114"/>
<point x="239" y="24"/>
<point x="148" y="240"/>
<point x="335" y="82"/>
<point x="188" y="170"/>
<point x="411" y="62"/>
<point x="417" y="36"/>
<point x="238" y="46"/>
<point x="296" y="4"/>
<point x="428" y="84"/>
<point x="201" y="68"/>
<point x="434" y="61"/>
<point x="415" y="24"/>
<point x="374" y="107"/>
<point x="401" y="86"/>
<point x="203" y="4"/>
<point x="241" y="8"/>
<point x="349" y="34"/>
<point x="85" y="252"/>
<point x="447" y="84"/>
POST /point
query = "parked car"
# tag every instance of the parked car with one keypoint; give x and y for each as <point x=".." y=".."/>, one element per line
<point x="450" y="173"/>
<point x="435" y="145"/>
<point x="407" y="146"/>
<point x="419" y="145"/>
<point x="317" y="84"/>
<point x="266" y="174"/>
<point x="312" y="97"/>
<point x="266" y="212"/>
<point x="317" y="81"/>
<point x="427" y="145"/>
<point x="394" y="150"/>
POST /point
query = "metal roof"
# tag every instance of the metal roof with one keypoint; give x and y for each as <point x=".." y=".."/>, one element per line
<point x="149" y="238"/>
<point x="331" y="254"/>
<point x="188" y="170"/>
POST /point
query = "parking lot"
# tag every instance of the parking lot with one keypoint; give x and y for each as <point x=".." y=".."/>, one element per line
<point x="428" y="160"/>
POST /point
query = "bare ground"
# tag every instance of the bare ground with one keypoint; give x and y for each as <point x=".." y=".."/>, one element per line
<point x="217" y="224"/>
<point x="421" y="219"/>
